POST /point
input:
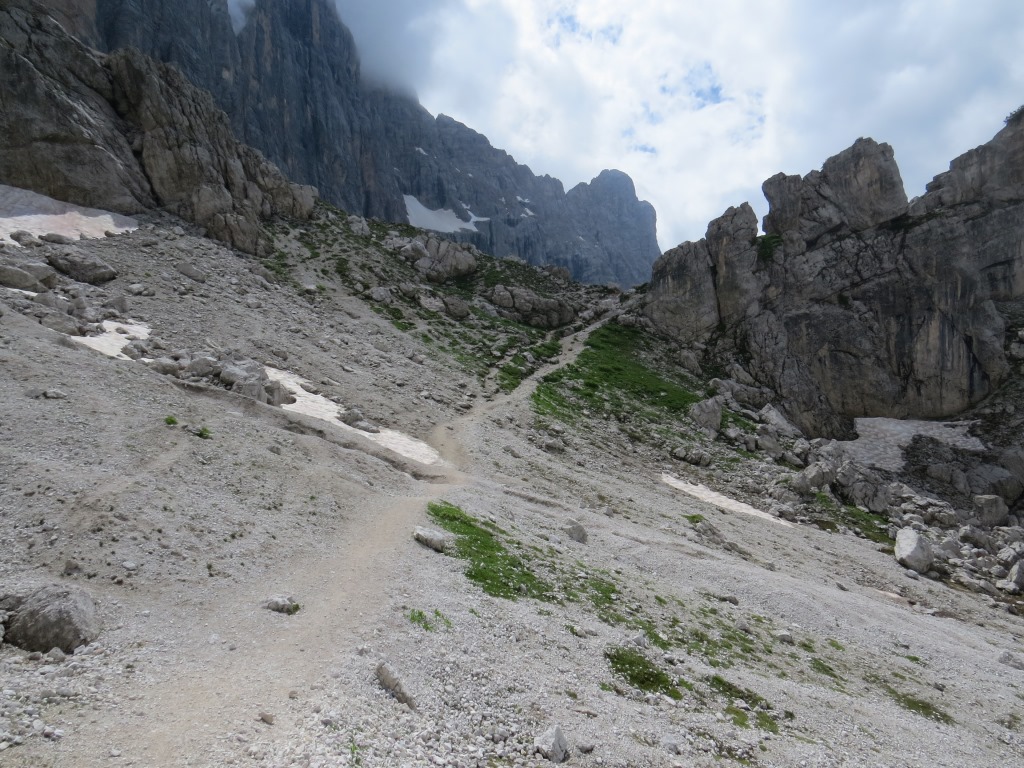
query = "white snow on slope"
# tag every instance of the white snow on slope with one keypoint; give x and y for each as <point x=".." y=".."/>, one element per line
<point x="443" y="220"/>
<point x="320" y="407"/>
<point x="114" y="338"/>
<point x="21" y="209"/>
<point x="724" y="503"/>
<point x="881" y="441"/>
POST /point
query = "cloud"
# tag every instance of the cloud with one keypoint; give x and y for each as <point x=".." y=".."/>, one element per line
<point x="701" y="102"/>
<point x="397" y="38"/>
<point x="239" y="10"/>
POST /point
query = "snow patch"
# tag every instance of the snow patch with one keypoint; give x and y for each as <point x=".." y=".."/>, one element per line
<point x="21" y="209"/>
<point x="442" y="220"/>
<point x="319" y="407"/>
<point x="880" y="441"/>
<point x="114" y="338"/>
<point x="724" y="503"/>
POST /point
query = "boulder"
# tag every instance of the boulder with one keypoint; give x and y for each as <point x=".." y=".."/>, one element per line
<point x="191" y="271"/>
<point x="691" y="454"/>
<point x="456" y="307"/>
<point x="552" y="745"/>
<point x="913" y="551"/>
<point x="575" y="531"/>
<point x="813" y="478"/>
<point x="990" y="510"/>
<point x="439" y="541"/>
<point x="55" y="616"/>
<point x="707" y="414"/>
<point x="44" y="273"/>
<point x="445" y="260"/>
<point x="80" y="265"/>
<point x="1016" y="575"/>
<point x="14" y="277"/>
<point x="381" y="294"/>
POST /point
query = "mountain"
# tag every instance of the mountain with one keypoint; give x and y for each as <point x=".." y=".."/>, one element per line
<point x="380" y="499"/>
<point x="856" y="301"/>
<point x="291" y="85"/>
<point x="125" y="133"/>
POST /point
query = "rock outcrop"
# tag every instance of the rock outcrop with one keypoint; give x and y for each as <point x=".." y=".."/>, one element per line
<point x="290" y="82"/>
<point x="125" y="133"/>
<point x="856" y="302"/>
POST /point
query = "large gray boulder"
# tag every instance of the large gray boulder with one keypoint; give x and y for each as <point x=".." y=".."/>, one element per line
<point x="55" y="616"/>
<point x="13" y="277"/>
<point x="914" y="551"/>
<point x="990" y="510"/>
<point x="707" y="414"/>
<point x="532" y="308"/>
<point x="80" y="265"/>
<point x="443" y="260"/>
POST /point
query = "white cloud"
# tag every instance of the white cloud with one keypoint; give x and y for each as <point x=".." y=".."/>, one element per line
<point x="701" y="102"/>
<point x="239" y="10"/>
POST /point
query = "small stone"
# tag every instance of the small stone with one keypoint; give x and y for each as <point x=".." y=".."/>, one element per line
<point x="280" y="604"/>
<point x="575" y="531"/>
<point x="389" y="681"/>
<point x="784" y="636"/>
<point x="439" y="541"/>
<point x="267" y="718"/>
<point x="552" y="745"/>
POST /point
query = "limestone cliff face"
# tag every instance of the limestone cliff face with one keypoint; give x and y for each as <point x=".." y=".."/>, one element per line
<point x="125" y="133"/>
<point x="291" y="85"/>
<point x="856" y="302"/>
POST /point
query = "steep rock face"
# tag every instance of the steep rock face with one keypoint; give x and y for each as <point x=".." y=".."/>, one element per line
<point x="193" y="35"/>
<point x="62" y="136"/>
<point x="291" y="85"/>
<point x="125" y="133"/>
<point x="854" y="302"/>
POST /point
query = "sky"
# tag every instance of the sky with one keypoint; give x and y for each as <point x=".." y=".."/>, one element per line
<point x="700" y="102"/>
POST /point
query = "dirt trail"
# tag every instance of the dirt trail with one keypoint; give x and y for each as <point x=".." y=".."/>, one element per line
<point x="241" y="659"/>
<point x="182" y="716"/>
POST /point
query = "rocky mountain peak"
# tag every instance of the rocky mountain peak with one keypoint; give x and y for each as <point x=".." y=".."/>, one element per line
<point x="855" y="302"/>
<point x="856" y="189"/>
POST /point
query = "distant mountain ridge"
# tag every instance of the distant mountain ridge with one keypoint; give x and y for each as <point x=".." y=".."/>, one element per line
<point x="291" y="85"/>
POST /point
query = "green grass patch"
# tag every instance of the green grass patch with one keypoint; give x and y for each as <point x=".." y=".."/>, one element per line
<point x="429" y="623"/>
<point x="641" y="672"/>
<point x="614" y="376"/>
<point x="492" y="566"/>
<point x="822" y="668"/>
<point x="919" y="706"/>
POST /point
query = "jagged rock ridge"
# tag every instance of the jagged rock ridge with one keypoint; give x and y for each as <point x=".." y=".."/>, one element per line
<point x="125" y="133"/>
<point x="290" y="82"/>
<point x="856" y="302"/>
